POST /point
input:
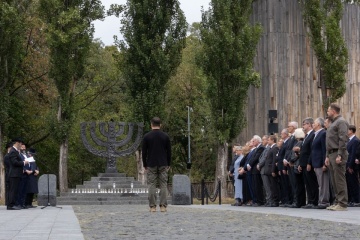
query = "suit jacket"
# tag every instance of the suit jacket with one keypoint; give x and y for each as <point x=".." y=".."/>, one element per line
<point x="254" y="160"/>
<point x="289" y="148"/>
<point x="16" y="164"/>
<point x="318" y="150"/>
<point x="281" y="155"/>
<point x="305" y="150"/>
<point x="351" y="147"/>
<point x="263" y="158"/>
<point x="267" y="166"/>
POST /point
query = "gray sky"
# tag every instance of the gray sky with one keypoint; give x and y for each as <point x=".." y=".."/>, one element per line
<point x="105" y="30"/>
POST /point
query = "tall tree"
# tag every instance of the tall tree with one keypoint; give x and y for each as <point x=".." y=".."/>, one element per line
<point x="322" y="17"/>
<point x="187" y="88"/>
<point x="69" y="35"/>
<point x="229" y="48"/>
<point x="13" y="19"/>
<point x="154" y="35"/>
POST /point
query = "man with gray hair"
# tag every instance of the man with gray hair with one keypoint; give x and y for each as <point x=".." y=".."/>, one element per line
<point x="256" y="182"/>
<point x="288" y="167"/>
<point x="309" y="177"/>
<point x="317" y="161"/>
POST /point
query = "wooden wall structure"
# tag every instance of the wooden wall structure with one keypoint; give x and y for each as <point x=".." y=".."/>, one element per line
<point x="288" y="68"/>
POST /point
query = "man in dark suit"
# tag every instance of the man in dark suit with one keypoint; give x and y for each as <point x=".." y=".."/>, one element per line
<point x="256" y="182"/>
<point x="317" y="161"/>
<point x="7" y="169"/>
<point x="292" y="126"/>
<point x="15" y="173"/>
<point x="285" y="189"/>
<point x="308" y="174"/>
<point x="352" y="180"/>
<point x="266" y="169"/>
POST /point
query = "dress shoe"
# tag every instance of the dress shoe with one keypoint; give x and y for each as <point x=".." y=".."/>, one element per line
<point x="236" y="204"/>
<point x="30" y="206"/>
<point x="320" y="206"/>
<point x="24" y="207"/>
<point x="295" y="206"/>
<point x="308" y="206"/>
<point x="274" y="205"/>
<point x="13" y="208"/>
<point x="255" y="205"/>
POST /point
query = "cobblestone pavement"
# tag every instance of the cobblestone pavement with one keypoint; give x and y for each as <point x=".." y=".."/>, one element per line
<point x="219" y="222"/>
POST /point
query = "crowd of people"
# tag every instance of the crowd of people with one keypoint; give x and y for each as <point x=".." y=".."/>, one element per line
<point x="20" y="175"/>
<point x="313" y="167"/>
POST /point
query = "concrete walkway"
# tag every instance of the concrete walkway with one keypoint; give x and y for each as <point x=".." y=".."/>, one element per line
<point x="180" y="222"/>
<point x="37" y="223"/>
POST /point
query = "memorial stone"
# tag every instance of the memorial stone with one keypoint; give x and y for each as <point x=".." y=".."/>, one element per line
<point x="181" y="190"/>
<point x="47" y="190"/>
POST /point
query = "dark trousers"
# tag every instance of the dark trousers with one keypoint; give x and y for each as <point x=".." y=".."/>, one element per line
<point x="249" y="181"/>
<point x="312" y="186"/>
<point x="29" y="199"/>
<point x="292" y="179"/>
<point x="285" y="189"/>
<point x="275" y="189"/>
<point x="300" y="190"/>
<point x="22" y="190"/>
<point x="246" y="191"/>
<point x="258" y="189"/>
<point x="13" y="190"/>
<point x="352" y="182"/>
<point x="7" y="189"/>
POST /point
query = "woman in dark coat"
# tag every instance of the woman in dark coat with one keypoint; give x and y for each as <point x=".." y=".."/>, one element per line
<point x="32" y="187"/>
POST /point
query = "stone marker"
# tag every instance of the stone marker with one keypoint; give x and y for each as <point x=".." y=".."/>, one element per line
<point x="181" y="190"/>
<point x="43" y="196"/>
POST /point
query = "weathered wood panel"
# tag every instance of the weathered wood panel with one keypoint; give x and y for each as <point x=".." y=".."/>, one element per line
<point x="288" y="68"/>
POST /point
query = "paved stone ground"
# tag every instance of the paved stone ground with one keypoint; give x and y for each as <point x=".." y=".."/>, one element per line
<point x="215" y="222"/>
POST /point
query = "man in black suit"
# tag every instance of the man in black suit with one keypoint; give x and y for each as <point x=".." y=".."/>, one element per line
<point x="256" y="182"/>
<point x="266" y="168"/>
<point x="317" y="161"/>
<point x="308" y="173"/>
<point x="15" y="173"/>
<point x="7" y="169"/>
<point x="352" y="180"/>
<point x="287" y="163"/>
<point x="285" y="189"/>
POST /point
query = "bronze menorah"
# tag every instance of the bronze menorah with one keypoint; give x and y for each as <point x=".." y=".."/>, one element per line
<point x="111" y="145"/>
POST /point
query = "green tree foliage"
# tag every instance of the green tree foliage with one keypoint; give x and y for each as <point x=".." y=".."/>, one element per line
<point x="69" y="35"/>
<point x="13" y="16"/>
<point x="229" y="47"/>
<point x="323" y="21"/>
<point x="187" y="88"/>
<point x="154" y="34"/>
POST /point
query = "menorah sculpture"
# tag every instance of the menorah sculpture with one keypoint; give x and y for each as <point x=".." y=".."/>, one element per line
<point x="111" y="145"/>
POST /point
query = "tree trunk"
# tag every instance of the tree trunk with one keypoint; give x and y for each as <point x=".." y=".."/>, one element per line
<point x="221" y="172"/>
<point x="63" y="178"/>
<point x="2" y="169"/>
<point x="140" y="167"/>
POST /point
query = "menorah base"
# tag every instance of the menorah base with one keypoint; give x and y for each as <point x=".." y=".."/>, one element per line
<point x="111" y="170"/>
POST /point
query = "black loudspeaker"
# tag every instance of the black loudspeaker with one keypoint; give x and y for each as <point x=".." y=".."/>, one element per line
<point x="272" y="113"/>
<point x="273" y="128"/>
